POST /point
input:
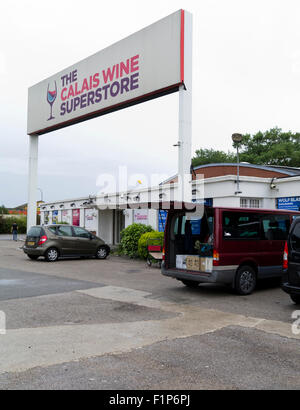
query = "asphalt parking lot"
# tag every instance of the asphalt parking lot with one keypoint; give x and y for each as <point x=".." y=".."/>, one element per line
<point x="118" y="324"/>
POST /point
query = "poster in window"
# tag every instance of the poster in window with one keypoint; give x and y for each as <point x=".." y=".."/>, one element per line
<point x="76" y="217"/>
<point x="54" y="217"/>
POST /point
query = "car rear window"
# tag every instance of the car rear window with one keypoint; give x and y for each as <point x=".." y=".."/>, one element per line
<point x="35" y="231"/>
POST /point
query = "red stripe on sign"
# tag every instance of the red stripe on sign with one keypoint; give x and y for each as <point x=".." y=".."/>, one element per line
<point x="182" y="47"/>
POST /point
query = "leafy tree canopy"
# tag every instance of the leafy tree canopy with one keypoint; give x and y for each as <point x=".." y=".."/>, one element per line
<point x="3" y="209"/>
<point x="272" y="147"/>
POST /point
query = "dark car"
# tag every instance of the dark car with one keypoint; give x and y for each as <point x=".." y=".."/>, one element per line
<point x="54" y="241"/>
<point x="291" y="263"/>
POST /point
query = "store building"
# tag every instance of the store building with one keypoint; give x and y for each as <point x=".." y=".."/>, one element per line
<point x="269" y="187"/>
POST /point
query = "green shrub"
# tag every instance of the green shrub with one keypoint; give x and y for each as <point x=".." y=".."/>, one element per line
<point x="130" y="237"/>
<point x="6" y="223"/>
<point x="149" y="238"/>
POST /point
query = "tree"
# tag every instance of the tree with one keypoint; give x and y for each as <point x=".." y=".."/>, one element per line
<point x="209" y="156"/>
<point x="3" y="210"/>
<point x="272" y="147"/>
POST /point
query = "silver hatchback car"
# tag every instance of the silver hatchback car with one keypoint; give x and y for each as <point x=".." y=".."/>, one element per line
<point x="54" y="241"/>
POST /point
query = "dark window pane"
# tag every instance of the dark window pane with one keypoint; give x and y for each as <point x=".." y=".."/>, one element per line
<point x="52" y="229"/>
<point x="81" y="233"/>
<point x="275" y="227"/>
<point x="240" y="225"/>
<point x="35" y="231"/>
<point x="295" y="238"/>
<point x="64" y="231"/>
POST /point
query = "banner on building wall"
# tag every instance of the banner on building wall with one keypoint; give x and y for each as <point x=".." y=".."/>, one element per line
<point x="145" y="65"/>
<point x="291" y="203"/>
<point x="76" y="217"/>
<point x="140" y="216"/>
<point x="91" y="219"/>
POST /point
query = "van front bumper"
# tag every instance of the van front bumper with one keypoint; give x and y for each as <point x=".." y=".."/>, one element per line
<point x="220" y="274"/>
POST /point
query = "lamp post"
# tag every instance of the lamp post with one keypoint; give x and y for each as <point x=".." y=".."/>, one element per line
<point x="237" y="138"/>
<point x="41" y="194"/>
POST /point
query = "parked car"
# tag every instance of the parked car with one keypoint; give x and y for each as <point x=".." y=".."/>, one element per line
<point x="232" y="246"/>
<point x="54" y="241"/>
<point x="291" y="263"/>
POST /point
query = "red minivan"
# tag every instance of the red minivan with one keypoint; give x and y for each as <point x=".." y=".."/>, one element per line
<point x="233" y="246"/>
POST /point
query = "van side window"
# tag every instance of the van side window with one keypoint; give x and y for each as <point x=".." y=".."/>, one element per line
<point x="295" y="238"/>
<point x="275" y="227"/>
<point x="240" y="225"/>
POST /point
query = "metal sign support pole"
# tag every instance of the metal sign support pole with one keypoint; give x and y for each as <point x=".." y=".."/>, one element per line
<point x="185" y="117"/>
<point x="32" y="180"/>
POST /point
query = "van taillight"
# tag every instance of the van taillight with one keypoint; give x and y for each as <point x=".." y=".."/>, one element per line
<point x="285" y="256"/>
<point x="216" y="258"/>
<point x="42" y="240"/>
<point x="163" y="254"/>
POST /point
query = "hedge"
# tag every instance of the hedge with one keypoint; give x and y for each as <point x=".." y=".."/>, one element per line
<point x="6" y="223"/>
<point x="130" y="237"/>
<point x="145" y="240"/>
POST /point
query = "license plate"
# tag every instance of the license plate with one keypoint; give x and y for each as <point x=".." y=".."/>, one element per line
<point x="30" y="243"/>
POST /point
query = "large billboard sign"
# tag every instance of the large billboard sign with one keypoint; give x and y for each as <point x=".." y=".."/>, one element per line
<point x="145" y="65"/>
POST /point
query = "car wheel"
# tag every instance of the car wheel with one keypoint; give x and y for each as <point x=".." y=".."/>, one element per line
<point x="51" y="255"/>
<point x="190" y="283"/>
<point x="245" y="280"/>
<point x="295" y="298"/>
<point x="33" y="257"/>
<point x="101" y="253"/>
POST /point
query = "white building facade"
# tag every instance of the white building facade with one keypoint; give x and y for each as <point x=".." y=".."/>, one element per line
<point x="107" y="214"/>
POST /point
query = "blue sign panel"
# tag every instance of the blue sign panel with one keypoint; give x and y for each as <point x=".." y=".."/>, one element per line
<point x="291" y="203"/>
<point x="196" y="226"/>
<point x="205" y="201"/>
<point x="162" y="216"/>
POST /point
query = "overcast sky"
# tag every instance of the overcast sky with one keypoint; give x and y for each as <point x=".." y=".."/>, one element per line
<point x="246" y="77"/>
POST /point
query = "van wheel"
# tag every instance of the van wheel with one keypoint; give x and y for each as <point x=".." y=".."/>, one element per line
<point x="295" y="299"/>
<point x="190" y="283"/>
<point x="245" y="280"/>
<point x="51" y="255"/>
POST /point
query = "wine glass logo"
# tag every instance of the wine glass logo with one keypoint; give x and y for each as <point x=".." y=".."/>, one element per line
<point x="51" y="97"/>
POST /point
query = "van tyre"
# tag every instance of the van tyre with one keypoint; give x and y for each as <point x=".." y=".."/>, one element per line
<point x="245" y="280"/>
<point x="295" y="299"/>
<point x="190" y="283"/>
<point x="102" y="252"/>
<point x="51" y="255"/>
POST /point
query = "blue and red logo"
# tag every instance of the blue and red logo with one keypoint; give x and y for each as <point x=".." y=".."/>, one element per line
<point x="51" y="97"/>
